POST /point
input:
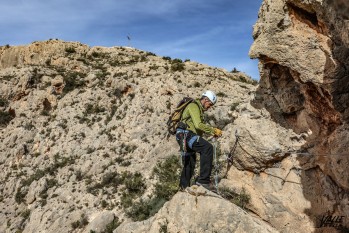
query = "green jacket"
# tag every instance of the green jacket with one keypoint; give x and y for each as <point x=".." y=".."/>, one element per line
<point x="193" y="116"/>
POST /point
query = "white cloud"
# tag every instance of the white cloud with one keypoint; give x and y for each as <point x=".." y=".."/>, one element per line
<point x="39" y="11"/>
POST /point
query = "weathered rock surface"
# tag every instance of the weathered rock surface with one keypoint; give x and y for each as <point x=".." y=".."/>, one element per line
<point x="71" y="116"/>
<point x="99" y="222"/>
<point x="303" y="49"/>
<point x="203" y="212"/>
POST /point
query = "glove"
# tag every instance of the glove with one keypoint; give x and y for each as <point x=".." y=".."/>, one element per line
<point x="217" y="132"/>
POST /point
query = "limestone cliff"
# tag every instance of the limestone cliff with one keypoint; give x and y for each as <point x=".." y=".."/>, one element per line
<point x="303" y="49"/>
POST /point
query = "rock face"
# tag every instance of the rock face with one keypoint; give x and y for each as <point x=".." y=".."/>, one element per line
<point x="201" y="212"/>
<point x="303" y="49"/>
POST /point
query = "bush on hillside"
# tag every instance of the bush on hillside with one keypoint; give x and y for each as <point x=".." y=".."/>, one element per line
<point x="70" y="50"/>
<point x="167" y="174"/>
<point x="3" y="102"/>
<point x="177" y="65"/>
<point x="241" y="199"/>
<point x="5" y="118"/>
<point x="72" y="81"/>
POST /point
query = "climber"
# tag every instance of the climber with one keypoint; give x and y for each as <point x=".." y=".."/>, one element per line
<point x="189" y="137"/>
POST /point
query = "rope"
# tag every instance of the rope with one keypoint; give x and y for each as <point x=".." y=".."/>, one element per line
<point x="266" y="150"/>
<point x="230" y="157"/>
<point x="231" y="152"/>
<point x="216" y="163"/>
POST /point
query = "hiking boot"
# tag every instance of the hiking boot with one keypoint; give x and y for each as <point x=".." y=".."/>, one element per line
<point x="208" y="186"/>
<point x="182" y="189"/>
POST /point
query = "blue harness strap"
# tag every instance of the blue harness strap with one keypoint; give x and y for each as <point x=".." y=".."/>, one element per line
<point x="190" y="142"/>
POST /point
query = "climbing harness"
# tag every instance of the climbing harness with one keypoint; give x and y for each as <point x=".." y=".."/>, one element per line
<point x="185" y="139"/>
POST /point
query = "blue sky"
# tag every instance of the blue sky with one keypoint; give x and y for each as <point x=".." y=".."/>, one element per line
<point x="213" y="32"/>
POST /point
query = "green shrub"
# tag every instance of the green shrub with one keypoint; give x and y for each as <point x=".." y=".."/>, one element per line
<point x="80" y="223"/>
<point x="36" y="176"/>
<point x="197" y="84"/>
<point x="83" y="60"/>
<point x="135" y="183"/>
<point x="59" y="162"/>
<point x="221" y="94"/>
<point x="35" y="78"/>
<point x="126" y="149"/>
<point x="167" y="173"/>
<point x="177" y="60"/>
<point x="134" y="188"/>
<point x="90" y="150"/>
<point x="247" y="80"/>
<point x="104" y="204"/>
<point x="73" y="80"/>
<point x="48" y="62"/>
<point x="118" y="93"/>
<point x="110" y="179"/>
<point x="125" y="163"/>
<point x="93" y="109"/>
<point x="70" y="50"/>
<point x="112" y="226"/>
<point x="142" y="210"/>
<point x="240" y="199"/>
<point x="126" y="200"/>
<point x="177" y="65"/>
<point x="143" y="58"/>
<point x="8" y="77"/>
<point x="29" y="126"/>
<point x="118" y="160"/>
<point x="25" y="214"/>
<point x="234" y="70"/>
<point x="150" y="54"/>
<point x="45" y="112"/>
<point x="95" y="54"/>
<point x="79" y="176"/>
<point x="233" y="106"/>
<point x="5" y="118"/>
<point x="112" y="113"/>
<point x="51" y="183"/>
<point x="20" y="195"/>
<point x="3" y="102"/>
<point x="163" y="227"/>
<point x="167" y="58"/>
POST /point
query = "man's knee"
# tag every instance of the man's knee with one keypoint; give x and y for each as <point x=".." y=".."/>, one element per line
<point x="209" y="148"/>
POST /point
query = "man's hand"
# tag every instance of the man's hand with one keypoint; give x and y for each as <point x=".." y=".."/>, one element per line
<point x="217" y="132"/>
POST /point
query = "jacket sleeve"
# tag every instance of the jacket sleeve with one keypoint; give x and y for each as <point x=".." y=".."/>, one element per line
<point x="194" y="113"/>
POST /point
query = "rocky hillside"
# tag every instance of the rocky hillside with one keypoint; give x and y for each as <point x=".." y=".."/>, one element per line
<point x="82" y="129"/>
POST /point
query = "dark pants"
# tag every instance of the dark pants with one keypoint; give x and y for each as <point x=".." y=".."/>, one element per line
<point x="205" y="149"/>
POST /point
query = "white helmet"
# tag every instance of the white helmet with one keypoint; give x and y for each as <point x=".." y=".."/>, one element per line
<point x="211" y="96"/>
